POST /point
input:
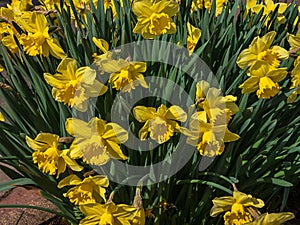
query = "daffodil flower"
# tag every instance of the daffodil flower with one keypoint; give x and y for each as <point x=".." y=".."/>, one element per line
<point x="208" y="137"/>
<point x="37" y="40"/>
<point x="7" y="30"/>
<point x="109" y="213"/>
<point x="154" y="17"/>
<point x="294" y="40"/>
<point x="48" y="156"/>
<point x="193" y="37"/>
<point x="124" y="75"/>
<point x="139" y="217"/>
<point x="210" y="100"/>
<point x="51" y="4"/>
<point x="161" y="123"/>
<point x="101" y="44"/>
<point x="128" y="75"/>
<point x="97" y="141"/>
<point x="272" y="219"/>
<point x="263" y="79"/>
<point x="206" y="4"/>
<point x="89" y="190"/>
<point x="269" y="7"/>
<point x="22" y="5"/>
<point x="74" y="86"/>
<point x="208" y="126"/>
<point x="1" y="117"/>
<point x="236" y="207"/>
<point x="295" y="83"/>
<point x="260" y="49"/>
<point x="84" y="5"/>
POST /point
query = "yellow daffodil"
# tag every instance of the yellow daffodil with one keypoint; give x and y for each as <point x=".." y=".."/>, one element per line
<point x="208" y="126"/>
<point x="263" y="79"/>
<point x="89" y="190"/>
<point x="1" y="117"/>
<point x="210" y="100"/>
<point x="154" y="17"/>
<point x="48" y="156"/>
<point x="101" y="44"/>
<point x="297" y="18"/>
<point x="139" y="217"/>
<point x="208" y="137"/>
<point x="37" y="40"/>
<point x="207" y="4"/>
<point x="111" y="4"/>
<point x="22" y="5"/>
<point x="269" y="7"/>
<point x="260" y="49"/>
<point x="295" y="83"/>
<point x="193" y="37"/>
<point x="7" y="37"/>
<point x="254" y="6"/>
<point x="128" y="75"/>
<point x="294" y="40"/>
<point x="96" y="141"/>
<point x="272" y="219"/>
<point x="84" y="5"/>
<point x="7" y="30"/>
<point x="236" y="208"/>
<point x="160" y="123"/>
<point x="124" y="75"/>
<point x="74" y="86"/>
<point x="50" y="4"/>
<point x="109" y="213"/>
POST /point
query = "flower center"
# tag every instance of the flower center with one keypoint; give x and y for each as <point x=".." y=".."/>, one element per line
<point x="237" y="216"/>
<point x="267" y="88"/>
<point x="69" y="93"/>
<point x="160" y="130"/>
<point x="47" y="160"/>
<point x="160" y="23"/>
<point x="124" y="80"/>
<point x="270" y="56"/>
<point x="95" y="152"/>
<point x="78" y="195"/>
<point x="210" y="148"/>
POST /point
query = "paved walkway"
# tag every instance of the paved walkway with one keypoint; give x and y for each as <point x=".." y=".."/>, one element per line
<point x="23" y="196"/>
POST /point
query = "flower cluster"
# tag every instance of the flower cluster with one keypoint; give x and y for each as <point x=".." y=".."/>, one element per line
<point x="241" y="209"/>
<point x="66" y="55"/>
<point x="208" y="128"/>
<point x="267" y="7"/>
<point x="264" y="61"/>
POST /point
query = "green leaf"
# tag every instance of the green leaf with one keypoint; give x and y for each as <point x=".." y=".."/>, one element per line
<point x="16" y="182"/>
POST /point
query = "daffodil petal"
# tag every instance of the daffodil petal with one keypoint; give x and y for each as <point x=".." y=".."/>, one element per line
<point x="221" y="204"/>
<point x="115" y="150"/>
<point x="229" y="136"/>
<point x="115" y="133"/>
<point x="277" y="75"/>
<point x="176" y="113"/>
<point x="69" y="181"/>
<point x="142" y="113"/>
<point x="250" y="85"/>
<point x="77" y="127"/>
<point x="142" y="8"/>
